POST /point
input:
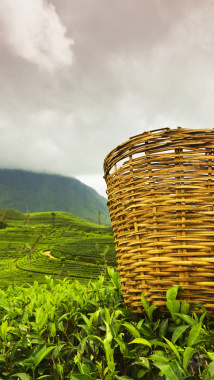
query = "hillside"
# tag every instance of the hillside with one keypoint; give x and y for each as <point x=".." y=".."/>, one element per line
<point x="35" y="192"/>
<point x="35" y="245"/>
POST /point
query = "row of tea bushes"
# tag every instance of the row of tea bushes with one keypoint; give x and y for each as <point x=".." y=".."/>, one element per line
<point x="62" y="330"/>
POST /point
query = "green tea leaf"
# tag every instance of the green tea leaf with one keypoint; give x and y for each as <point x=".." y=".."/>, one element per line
<point x="173" y="306"/>
<point x="140" y="374"/>
<point x="83" y="344"/>
<point x="185" y="307"/>
<point x="41" y="355"/>
<point x="203" y="316"/>
<point x="52" y="329"/>
<point x="188" y="353"/>
<point x="95" y="315"/>
<point x="194" y="334"/>
<point x="178" y="332"/>
<point x="86" y="320"/>
<point x="107" y="316"/>
<point x="171" y="293"/>
<point x="121" y="344"/>
<point x="63" y="317"/>
<point x="176" y="368"/>
<point x="109" y="351"/>
<point x="206" y="375"/>
<point x="108" y="333"/>
<point x="80" y="377"/>
<point x="201" y="306"/>
<point x="159" y="358"/>
<point x="163" y="328"/>
<point x="95" y="339"/>
<point x="109" y="376"/>
<point x="150" y="311"/>
<point x="161" y="344"/>
<point x="167" y="371"/>
<point x="144" y="362"/>
<point x="4" y="305"/>
<point x="132" y="329"/>
<point x="140" y="323"/>
<point x="14" y="349"/>
<point x="22" y="376"/>
<point x="187" y="319"/>
<point x="57" y="350"/>
<point x="147" y="331"/>
<point x="211" y="355"/>
<point x="83" y="369"/>
<point x="144" y="302"/>
<point x="211" y="368"/>
<point x="141" y="341"/>
<point x="111" y="366"/>
<point x="173" y="348"/>
<point x="3" y="330"/>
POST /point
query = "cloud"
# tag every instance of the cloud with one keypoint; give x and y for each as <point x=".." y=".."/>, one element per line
<point x="139" y="65"/>
<point x="33" y="30"/>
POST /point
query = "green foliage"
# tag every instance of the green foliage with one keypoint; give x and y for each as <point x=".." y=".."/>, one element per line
<point x="63" y="330"/>
<point x="2" y="225"/>
<point x="79" y="243"/>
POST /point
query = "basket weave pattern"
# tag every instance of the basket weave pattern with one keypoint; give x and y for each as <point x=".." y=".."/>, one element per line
<point x="160" y="187"/>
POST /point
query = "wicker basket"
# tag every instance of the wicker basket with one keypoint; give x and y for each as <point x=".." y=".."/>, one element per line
<point x="160" y="187"/>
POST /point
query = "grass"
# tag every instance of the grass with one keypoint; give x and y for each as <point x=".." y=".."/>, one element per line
<point x="76" y="245"/>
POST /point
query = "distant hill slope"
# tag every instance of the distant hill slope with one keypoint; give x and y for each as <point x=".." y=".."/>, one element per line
<point x="33" y="245"/>
<point x="36" y="192"/>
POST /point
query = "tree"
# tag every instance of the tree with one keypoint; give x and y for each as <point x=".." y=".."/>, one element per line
<point x="28" y="251"/>
<point x="2" y="225"/>
<point x="53" y="218"/>
<point x="99" y="217"/>
<point x="63" y="271"/>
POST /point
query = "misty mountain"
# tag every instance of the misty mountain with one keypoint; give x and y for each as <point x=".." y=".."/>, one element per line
<point x="34" y="192"/>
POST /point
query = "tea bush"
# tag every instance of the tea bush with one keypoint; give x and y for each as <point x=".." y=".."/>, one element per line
<point x="62" y="330"/>
<point x="76" y="240"/>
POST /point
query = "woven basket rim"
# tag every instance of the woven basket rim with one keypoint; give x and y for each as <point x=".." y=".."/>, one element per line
<point x="114" y="156"/>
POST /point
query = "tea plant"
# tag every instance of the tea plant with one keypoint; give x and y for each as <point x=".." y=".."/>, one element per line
<point x="62" y="330"/>
<point x="63" y="235"/>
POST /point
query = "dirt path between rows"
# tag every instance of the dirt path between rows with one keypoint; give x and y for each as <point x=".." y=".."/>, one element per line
<point x="3" y="215"/>
<point x="48" y="253"/>
<point x="27" y="220"/>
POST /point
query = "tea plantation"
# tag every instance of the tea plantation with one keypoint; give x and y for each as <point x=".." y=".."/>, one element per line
<point x="67" y="330"/>
<point x="57" y="244"/>
<point x="62" y="314"/>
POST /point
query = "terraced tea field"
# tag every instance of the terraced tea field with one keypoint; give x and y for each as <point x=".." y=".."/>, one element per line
<point x="57" y="244"/>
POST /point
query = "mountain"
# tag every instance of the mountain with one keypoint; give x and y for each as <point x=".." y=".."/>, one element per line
<point x="34" y="192"/>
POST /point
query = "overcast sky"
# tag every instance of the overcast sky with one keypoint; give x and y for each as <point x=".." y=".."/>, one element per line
<point x="79" y="77"/>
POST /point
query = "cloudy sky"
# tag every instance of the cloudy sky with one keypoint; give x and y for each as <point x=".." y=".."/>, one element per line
<point x="79" y="77"/>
